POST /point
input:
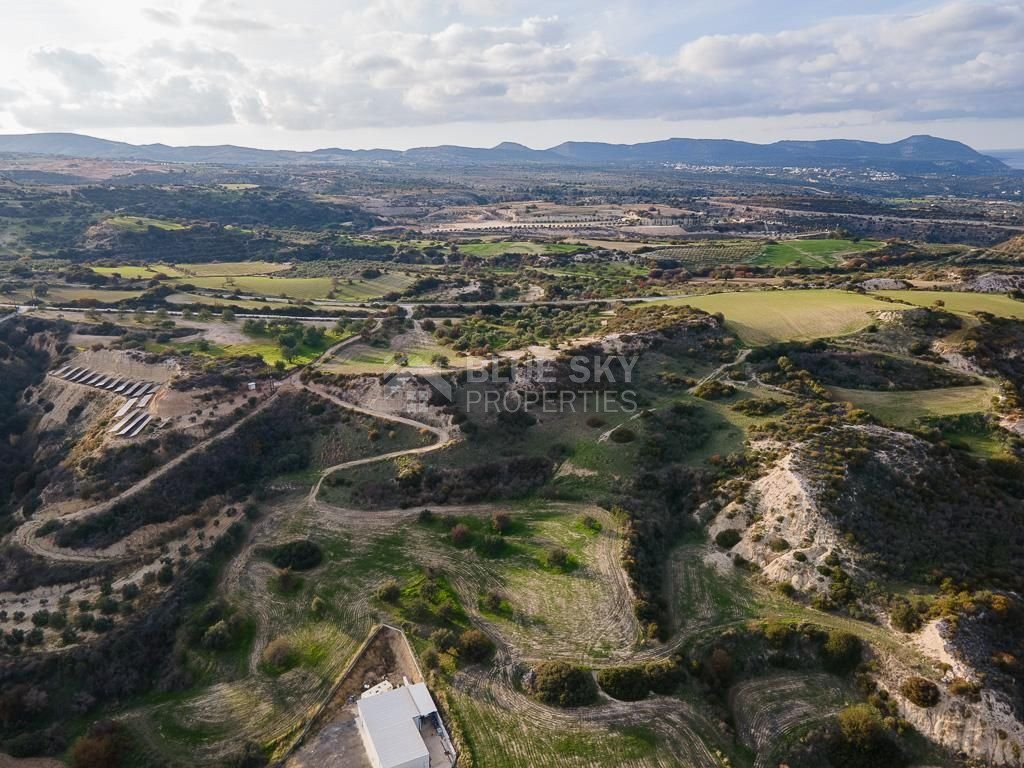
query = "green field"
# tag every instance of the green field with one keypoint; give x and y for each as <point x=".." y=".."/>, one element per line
<point x="64" y="294"/>
<point x="765" y="317"/>
<point x="812" y="253"/>
<point x="305" y="288"/>
<point x="135" y="272"/>
<point x="362" y="358"/>
<point x="710" y="253"/>
<point x="141" y="223"/>
<point x="957" y="301"/>
<point x="266" y="348"/>
<point x="490" y="250"/>
<point x="232" y="268"/>
<point x="904" y="408"/>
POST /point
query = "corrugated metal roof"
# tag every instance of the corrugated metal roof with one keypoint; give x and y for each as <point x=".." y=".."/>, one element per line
<point x="390" y="720"/>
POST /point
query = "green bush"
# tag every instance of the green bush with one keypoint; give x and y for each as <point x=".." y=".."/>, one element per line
<point x="475" y="646"/>
<point x="624" y="683"/>
<point x="841" y="652"/>
<point x="728" y="538"/>
<point x="298" y="555"/>
<point x="560" y="684"/>
<point x="922" y="692"/>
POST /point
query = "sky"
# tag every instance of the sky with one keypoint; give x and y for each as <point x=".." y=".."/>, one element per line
<point x="305" y="74"/>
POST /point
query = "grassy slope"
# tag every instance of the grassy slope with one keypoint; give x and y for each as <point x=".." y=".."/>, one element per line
<point x="765" y="317"/>
<point x="903" y="408"/>
<point x="996" y="304"/>
<point x="812" y="252"/>
<point x="490" y="250"/>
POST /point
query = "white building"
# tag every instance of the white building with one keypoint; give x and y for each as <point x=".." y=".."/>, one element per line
<point x="401" y="728"/>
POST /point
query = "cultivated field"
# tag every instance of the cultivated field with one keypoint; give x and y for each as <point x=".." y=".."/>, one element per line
<point x="813" y="253"/>
<point x="904" y="408"/>
<point x="711" y="253"/>
<point x="959" y="301"/>
<point x="491" y="250"/>
<point x="233" y="268"/>
<point x="764" y="317"/>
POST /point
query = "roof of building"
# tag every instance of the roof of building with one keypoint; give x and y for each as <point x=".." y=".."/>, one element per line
<point x="390" y="721"/>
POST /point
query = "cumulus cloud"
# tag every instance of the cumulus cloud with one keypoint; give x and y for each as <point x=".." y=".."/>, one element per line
<point x="961" y="59"/>
<point x="162" y="16"/>
<point x="81" y="72"/>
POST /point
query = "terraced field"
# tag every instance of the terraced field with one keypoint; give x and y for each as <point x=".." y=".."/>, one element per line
<point x="764" y="317"/>
<point x="767" y="709"/>
<point x="711" y="253"/>
<point x="142" y="223"/>
<point x="306" y="288"/>
<point x="813" y="253"/>
<point x="233" y="268"/>
<point x="960" y="301"/>
<point x="136" y="272"/>
<point x="904" y="408"/>
<point x="491" y="250"/>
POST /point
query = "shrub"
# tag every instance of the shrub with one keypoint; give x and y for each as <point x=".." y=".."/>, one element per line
<point x="475" y="646"/>
<point x="280" y="655"/>
<point x="922" y="692"/>
<point x="624" y="683"/>
<point x="389" y="592"/>
<point x="460" y="535"/>
<point x="860" y="726"/>
<point x="558" y="558"/>
<point x="491" y="546"/>
<point x="218" y="637"/>
<point x="444" y="639"/>
<point x="500" y="522"/>
<point x="318" y="607"/>
<point x="663" y="676"/>
<point x="623" y="435"/>
<point x="298" y="555"/>
<point x="728" y="538"/>
<point x="103" y="746"/>
<point x="904" y="616"/>
<point x="560" y="684"/>
<point x="841" y="652"/>
<point x="288" y="583"/>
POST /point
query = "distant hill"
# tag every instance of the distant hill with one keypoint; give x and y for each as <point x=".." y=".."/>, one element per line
<point x="916" y="154"/>
<point x="1012" y="157"/>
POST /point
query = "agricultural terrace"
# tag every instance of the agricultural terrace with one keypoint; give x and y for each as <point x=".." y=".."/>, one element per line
<point x="961" y="301"/>
<point x="708" y="254"/>
<point x="812" y="253"/>
<point x="283" y="343"/>
<point x="142" y="223"/>
<point x="492" y="250"/>
<point x="905" y="408"/>
<point x="137" y="272"/>
<point x="765" y="317"/>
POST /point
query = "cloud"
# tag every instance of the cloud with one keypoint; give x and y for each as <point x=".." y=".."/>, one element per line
<point x="80" y="72"/>
<point x="163" y="17"/>
<point x="379" y="66"/>
<point x="191" y="56"/>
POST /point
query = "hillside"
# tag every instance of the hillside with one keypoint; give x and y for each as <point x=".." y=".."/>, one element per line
<point x="915" y="154"/>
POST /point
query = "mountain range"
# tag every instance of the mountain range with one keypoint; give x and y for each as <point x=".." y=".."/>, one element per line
<point x="915" y="154"/>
